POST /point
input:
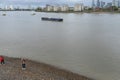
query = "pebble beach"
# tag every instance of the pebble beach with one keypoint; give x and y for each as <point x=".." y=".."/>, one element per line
<point x="11" y="70"/>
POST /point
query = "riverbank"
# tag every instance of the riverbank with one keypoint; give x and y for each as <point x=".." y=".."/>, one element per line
<point x="34" y="71"/>
<point x="79" y="11"/>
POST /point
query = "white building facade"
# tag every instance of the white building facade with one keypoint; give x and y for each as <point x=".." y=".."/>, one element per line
<point x="56" y="8"/>
<point x="65" y="8"/>
<point x="10" y="7"/>
<point x="49" y="8"/>
<point x="78" y="7"/>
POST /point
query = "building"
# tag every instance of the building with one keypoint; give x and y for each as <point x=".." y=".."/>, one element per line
<point x="71" y="8"/>
<point x="82" y="5"/>
<point x="78" y="7"/>
<point x="10" y="7"/>
<point x="86" y="7"/>
<point x="56" y="8"/>
<point x="115" y="3"/>
<point x="109" y="5"/>
<point x="102" y="4"/>
<point x="93" y="4"/>
<point x="6" y="7"/>
<point x="119" y="3"/>
<point x="49" y="8"/>
<point x="98" y="4"/>
<point x="65" y="8"/>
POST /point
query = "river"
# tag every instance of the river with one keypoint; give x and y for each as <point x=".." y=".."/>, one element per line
<point x="85" y="43"/>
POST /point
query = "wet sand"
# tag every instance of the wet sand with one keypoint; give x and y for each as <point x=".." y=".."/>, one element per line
<point x="11" y="70"/>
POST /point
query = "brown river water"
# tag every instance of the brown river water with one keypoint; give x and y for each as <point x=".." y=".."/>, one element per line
<point x="85" y="43"/>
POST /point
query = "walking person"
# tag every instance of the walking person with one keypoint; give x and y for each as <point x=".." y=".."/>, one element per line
<point x="23" y="64"/>
<point x="2" y="60"/>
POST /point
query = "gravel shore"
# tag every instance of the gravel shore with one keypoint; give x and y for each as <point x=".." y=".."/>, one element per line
<point x="11" y="70"/>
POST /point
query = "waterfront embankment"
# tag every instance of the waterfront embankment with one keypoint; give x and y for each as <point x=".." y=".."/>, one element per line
<point x="34" y="71"/>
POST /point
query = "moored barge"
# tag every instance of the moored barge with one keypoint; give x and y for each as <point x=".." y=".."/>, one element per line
<point x="52" y="19"/>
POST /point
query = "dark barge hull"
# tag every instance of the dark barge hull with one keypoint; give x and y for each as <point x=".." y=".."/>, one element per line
<point x="52" y="19"/>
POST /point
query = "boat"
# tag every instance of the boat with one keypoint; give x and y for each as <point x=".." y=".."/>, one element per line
<point x="52" y="19"/>
<point x="4" y="14"/>
<point x="33" y="14"/>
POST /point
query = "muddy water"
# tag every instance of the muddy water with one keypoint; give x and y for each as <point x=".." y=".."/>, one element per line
<point x="83" y="43"/>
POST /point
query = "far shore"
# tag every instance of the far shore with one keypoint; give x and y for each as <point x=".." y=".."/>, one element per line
<point x="67" y="11"/>
<point x="35" y="71"/>
<point x="82" y="11"/>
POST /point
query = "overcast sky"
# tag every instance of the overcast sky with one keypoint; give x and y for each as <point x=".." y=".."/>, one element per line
<point x="43" y="2"/>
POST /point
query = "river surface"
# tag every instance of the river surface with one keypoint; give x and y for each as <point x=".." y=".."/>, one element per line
<point x="88" y="44"/>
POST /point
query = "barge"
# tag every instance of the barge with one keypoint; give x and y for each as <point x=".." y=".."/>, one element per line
<point x="52" y="19"/>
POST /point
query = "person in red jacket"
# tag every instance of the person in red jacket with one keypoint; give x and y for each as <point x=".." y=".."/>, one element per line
<point x="2" y="60"/>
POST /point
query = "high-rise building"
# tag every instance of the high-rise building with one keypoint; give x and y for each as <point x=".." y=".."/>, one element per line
<point x="109" y="5"/>
<point x="113" y="3"/>
<point x="102" y="4"/>
<point x="98" y="4"/>
<point x="118" y="3"/>
<point x="93" y="4"/>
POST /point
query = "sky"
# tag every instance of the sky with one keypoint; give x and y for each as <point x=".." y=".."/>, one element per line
<point x="44" y="2"/>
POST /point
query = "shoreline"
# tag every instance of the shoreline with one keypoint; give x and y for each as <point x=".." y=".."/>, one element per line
<point x="35" y="71"/>
<point x="68" y="12"/>
<point x="79" y="11"/>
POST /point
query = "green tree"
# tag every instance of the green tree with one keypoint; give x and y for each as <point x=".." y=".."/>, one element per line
<point x="39" y="9"/>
